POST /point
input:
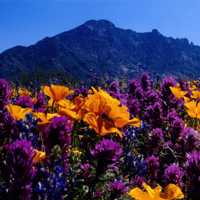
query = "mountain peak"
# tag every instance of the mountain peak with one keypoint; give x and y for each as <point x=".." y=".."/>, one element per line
<point x="156" y="31"/>
<point x="99" y="24"/>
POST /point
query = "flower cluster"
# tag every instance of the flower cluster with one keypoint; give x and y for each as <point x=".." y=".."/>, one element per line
<point x="121" y="141"/>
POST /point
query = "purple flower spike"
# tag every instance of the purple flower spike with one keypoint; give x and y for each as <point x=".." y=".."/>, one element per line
<point x="156" y="138"/>
<point x="189" y="139"/>
<point x="167" y="82"/>
<point x="7" y="127"/>
<point x="193" y="174"/>
<point x="157" y="134"/>
<point x="134" y="106"/>
<point x="151" y="97"/>
<point x="106" y="152"/>
<point x="172" y="116"/>
<point x="58" y="132"/>
<point x="20" y="166"/>
<point x="174" y="174"/>
<point x="117" y="188"/>
<point x="154" y="114"/>
<point x="133" y="85"/>
<point x="5" y="93"/>
<point x="193" y="165"/>
<point x="177" y="127"/>
<point x="184" y="85"/>
<point x="153" y="165"/>
<point x="146" y="82"/>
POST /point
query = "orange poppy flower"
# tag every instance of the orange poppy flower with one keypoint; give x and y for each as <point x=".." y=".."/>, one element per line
<point x="56" y="92"/>
<point x="39" y="156"/>
<point x="105" y="114"/>
<point x="171" y="192"/>
<point x="17" y="112"/>
<point x="193" y="109"/>
<point x="178" y="93"/>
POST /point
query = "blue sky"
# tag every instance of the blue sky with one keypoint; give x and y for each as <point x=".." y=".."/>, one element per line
<point x="23" y="22"/>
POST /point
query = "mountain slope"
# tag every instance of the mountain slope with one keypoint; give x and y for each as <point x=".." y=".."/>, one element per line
<point x="98" y="48"/>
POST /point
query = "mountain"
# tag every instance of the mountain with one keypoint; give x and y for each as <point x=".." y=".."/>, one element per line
<point x="98" y="48"/>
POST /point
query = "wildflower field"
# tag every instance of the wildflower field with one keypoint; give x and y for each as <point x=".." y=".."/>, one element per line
<point x="139" y="141"/>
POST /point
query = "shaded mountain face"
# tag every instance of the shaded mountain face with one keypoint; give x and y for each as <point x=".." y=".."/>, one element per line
<point x="99" y="49"/>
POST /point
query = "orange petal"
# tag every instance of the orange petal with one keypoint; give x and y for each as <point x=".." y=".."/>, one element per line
<point x="138" y="194"/>
<point x="17" y="112"/>
<point x="135" y="122"/>
<point x="172" y="192"/>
